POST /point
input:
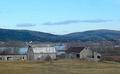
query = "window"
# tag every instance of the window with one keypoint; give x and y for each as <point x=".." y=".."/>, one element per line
<point x="92" y="56"/>
<point x="98" y="57"/>
<point x="0" y="58"/>
<point x="78" y="55"/>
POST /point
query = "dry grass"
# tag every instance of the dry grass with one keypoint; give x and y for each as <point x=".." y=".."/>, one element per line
<point x="60" y="67"/>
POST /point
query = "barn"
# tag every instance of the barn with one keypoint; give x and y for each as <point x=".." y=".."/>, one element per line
<point x="12" y="54"/>
<point x="40" y="52"/>
<point x="82" y="53"/>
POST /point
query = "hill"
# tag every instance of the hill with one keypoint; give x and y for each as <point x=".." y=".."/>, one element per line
<point x="26" y="35"/>
<point x="95" y="35"/>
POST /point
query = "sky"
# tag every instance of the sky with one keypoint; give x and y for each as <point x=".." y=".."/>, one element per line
<point x="60" y="16"/>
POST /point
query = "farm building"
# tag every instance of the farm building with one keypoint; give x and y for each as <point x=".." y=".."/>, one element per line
<point x="41" y="52"/>
<point x="60" y="51"/>
<point x="11" y="54"/>
<point x="82" y="53"/>
<point x="12" y="57"/>
<point x="109" y="53"/>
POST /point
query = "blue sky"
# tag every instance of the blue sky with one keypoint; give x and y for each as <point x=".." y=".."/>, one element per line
<point x="60" y="16"/>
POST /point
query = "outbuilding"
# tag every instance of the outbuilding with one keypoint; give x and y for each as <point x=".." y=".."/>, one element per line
<point x="82" y="53"/>
<point x="41" y="52"/>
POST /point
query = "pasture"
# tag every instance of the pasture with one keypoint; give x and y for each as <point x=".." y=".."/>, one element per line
<point x="60" y="67"/>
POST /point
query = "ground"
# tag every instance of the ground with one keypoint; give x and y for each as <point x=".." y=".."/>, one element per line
<point x="60" y="67"/>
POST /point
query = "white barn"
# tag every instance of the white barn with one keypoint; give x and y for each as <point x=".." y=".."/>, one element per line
<point x="41" y="52"/>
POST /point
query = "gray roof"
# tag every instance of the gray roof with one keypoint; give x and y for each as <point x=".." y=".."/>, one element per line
<point x="41" y="45"/>
<point x="12" y="51"/>
<point x="75" y="49"/>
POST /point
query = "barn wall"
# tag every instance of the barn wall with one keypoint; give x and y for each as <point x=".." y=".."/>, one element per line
<point x="90" y="55"/>
<point x="86" y="53"/>
<point x="41" y="53"/>
<point x="43" y="56"/>
<point x="97" y="56"/>
<point x="12" y="57"/>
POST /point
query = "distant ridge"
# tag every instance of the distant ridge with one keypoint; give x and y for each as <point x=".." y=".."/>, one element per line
<point x="96" y="35"/>
<point x="24" y="35"/>
<point x="27" y="35"/>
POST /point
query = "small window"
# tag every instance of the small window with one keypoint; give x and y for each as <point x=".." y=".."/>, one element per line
<point x="92" y="56"/>
<point x="0" y="58"/>
<point x="98" y="57"/>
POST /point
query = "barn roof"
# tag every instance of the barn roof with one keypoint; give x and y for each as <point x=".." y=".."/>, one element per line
<point x="75" y="49"/>
<point x="109" y="51"/>
<point x="41" y="45"/>
<point x="12" y="51"/>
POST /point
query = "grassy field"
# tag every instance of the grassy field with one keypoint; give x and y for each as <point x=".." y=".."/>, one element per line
<point x="60" y="67"/>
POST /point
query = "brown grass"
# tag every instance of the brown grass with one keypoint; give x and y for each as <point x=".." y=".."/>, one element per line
<point x="60" y="67"/>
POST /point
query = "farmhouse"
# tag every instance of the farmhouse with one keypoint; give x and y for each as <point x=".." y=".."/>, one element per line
<point x="41" y="52"/>
<point x="82" y="53"/>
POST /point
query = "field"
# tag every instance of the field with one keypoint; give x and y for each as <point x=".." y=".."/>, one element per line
<point x="60" y="67"/>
